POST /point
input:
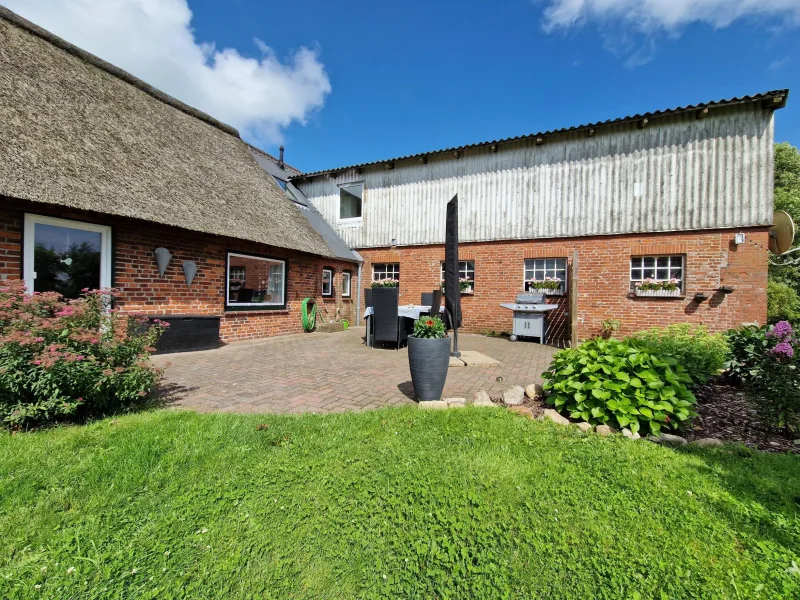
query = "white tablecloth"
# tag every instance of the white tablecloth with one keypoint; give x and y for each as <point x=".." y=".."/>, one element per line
<point x="409" y="311"/>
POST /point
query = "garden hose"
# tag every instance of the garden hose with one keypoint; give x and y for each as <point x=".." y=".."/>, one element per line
<point x="309" y="320"/>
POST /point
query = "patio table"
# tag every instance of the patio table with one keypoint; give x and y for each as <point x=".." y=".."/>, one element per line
<point x="408" y="311"/>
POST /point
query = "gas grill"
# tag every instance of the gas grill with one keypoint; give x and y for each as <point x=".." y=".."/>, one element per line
<point x="530" y="316"/>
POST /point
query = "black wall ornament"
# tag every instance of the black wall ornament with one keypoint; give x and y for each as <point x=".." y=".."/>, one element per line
<point x="189" y="271"/>
<point x="163" y="256"/>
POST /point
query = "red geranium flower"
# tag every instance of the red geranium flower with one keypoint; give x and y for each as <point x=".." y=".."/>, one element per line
<point x="429" y="323"/>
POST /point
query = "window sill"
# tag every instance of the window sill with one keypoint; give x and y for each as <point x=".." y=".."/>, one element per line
<point x="635" y="296"/>
<point x="255" y="312"/>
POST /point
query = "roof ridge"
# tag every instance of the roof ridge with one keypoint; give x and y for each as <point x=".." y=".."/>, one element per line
<point x="113" y="70"/>
<point x="781" y="94"/>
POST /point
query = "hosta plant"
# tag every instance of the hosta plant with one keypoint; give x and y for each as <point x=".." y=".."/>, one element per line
<point x="621" y="384"/>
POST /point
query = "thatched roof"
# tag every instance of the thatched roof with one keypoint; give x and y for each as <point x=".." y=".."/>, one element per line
<point x="78" y="132"/>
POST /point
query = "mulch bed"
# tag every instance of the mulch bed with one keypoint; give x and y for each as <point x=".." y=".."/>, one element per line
<point x="724" y="412"/>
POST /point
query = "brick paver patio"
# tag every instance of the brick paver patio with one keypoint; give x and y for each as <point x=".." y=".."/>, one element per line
<point x="330" y="373"/>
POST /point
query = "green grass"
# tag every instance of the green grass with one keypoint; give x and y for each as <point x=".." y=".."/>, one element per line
<point x="395" y="503"/>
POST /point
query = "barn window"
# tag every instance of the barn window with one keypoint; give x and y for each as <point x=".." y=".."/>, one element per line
<point x="657" y="268"/>
<point x="466" y="272"/>
<point x="544" y="269"/>
<point x="346" y="279"/>
<point x="327" y="282"/>
<point x="351" y="197"/>
<point x="381" y="271"/>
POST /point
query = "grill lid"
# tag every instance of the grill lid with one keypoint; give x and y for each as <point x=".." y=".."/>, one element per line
<point x="530" y="298"/>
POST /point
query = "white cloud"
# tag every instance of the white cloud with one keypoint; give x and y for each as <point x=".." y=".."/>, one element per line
<point x="153" y="40"/>
<point x="665" y="15"/>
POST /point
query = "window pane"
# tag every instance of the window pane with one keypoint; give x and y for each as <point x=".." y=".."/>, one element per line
<point x="636" y="274"/>
<point x="636" y="263"/>
<point x="662" y="274"/>
<point x="345" y="284"/>
<point x="350" y="201"/>
<point x="649" y="261"/>
<point x="66" y="260"/>
<point x="677" y="274"/>
<point x="649" y="273"/>
<point x="253" y="280"/>
<point x="663" y="261"/>
<point x="327" y="282"/>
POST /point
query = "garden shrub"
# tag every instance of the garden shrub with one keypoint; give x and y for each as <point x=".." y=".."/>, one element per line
<point x="767" y="361"/>
<point x="621" y="384"/>
<point x="63" y="359"/>
<point x="783" y="303"/>
<point x="701" y="353"/>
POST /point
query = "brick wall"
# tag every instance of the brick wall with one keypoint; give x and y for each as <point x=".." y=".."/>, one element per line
<point x="142" y="290"/>
<point x="712" y="260"/>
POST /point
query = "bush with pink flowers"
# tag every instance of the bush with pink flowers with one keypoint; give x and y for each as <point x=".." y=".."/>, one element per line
<point x="69" y="359"/>
<point x="767" y="361"/>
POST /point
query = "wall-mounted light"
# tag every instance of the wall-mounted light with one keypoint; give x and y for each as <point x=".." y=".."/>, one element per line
<point x="394" y="241"/>
<point x="189" y="271"/>
<point x="163" y="256"/>
<point x="739" y="238"/>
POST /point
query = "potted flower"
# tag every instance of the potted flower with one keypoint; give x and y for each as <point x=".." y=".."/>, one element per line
<point x="652" y="288"/>
<point x="428" y="357"/>
<point x="465" y="285"/>
<point x="386" y="283"/>
<point x="551" y="286"/>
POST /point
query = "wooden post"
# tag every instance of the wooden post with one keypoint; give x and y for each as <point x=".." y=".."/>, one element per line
<point x="573" y="301"/>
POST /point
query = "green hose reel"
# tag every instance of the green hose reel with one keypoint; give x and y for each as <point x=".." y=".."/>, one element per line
<point x="309" y="318"/>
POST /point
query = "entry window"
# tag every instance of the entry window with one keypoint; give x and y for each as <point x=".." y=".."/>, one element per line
<point x="383" y="271"/>
<point x="255" y="282"/>
<point x="657" y="268"/>
<point x="545" y="269"/>
<point x="66" y="256"/>
<point x="350" y="200"/>
<point x="346" y="282"/>
<point x="327" y="282"/>
<point x="466" y="272"/>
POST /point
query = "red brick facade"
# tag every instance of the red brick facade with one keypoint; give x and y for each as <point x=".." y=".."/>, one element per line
<point x="142" y="290"/>
<point x="711" y="261"/>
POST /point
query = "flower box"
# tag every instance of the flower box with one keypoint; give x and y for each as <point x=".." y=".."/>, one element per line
<point x="658" y="293"/>
<point x="467" y="291"/>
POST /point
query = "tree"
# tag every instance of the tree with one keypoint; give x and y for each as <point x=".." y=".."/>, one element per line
<point x="786" y="278"/>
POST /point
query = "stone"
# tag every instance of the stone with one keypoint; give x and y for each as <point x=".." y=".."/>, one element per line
<point x="433" y="404"/>
<point x="708" y="442"/>
<point x="481" y="398"/>
<point x="456" y="405"/>
<point x="584" y="426"/>
<point x="533" y="390"/>
<point x="522" y="410"/>
<point x="331" y="327"/>
<point x="514" y="395"/>
<point x="604" y="430"/>
<point x="668" y="439"/>
<point x="476" y="359"/>
<point x="453" y="401"/>
<point x="630" y="434"/>
<point x="549" y="413"/>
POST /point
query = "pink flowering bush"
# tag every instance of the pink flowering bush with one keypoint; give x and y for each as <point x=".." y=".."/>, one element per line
<point x="767" y="361"/>
<point x="62" y="359"/>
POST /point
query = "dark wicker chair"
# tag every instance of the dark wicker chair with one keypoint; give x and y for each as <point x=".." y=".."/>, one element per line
<point x="427" y="298"/>
<point x="388" y="326"/>
<point x="436" y="302"/>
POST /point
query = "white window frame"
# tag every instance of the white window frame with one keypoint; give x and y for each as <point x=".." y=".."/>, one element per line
<point x="253" y="305"/>
<point x="544" y="269"/>
<point x="244" y="274"/>
<point x="29" y="244"/>
<point x="330" y="273"/>
<point x="671" y="268"/>
<point x="347" y="282"/>
<point x="395" y="272"/>
<point x="464" y="269"/>
<point x="351" y="221"/>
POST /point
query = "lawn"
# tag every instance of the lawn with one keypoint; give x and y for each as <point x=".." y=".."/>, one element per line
<point x="396" y="503"/>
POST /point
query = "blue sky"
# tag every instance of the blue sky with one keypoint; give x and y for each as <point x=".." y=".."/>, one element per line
<point x="348" y="82"/>
<point x="416" y="76"/>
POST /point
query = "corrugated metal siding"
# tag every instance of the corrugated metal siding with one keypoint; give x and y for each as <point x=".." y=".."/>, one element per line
<point x="675" y="174"/>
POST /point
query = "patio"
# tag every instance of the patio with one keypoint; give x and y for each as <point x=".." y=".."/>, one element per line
<point x="336" y="372"/>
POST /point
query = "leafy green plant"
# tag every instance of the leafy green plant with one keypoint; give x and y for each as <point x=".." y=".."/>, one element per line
<point x="64" y="359"/>
<point x="783" y="303"/>
<point x="701" y="353"/>
<point x="388" y="282"/>
<point x="766" y="361"/>
<point x="548" y="283"/>
<point x="620" y="383"/>
<point x="609" y="327"/>
<point x="429" y="328"/>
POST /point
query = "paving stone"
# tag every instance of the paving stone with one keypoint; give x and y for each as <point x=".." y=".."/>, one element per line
<point x="432" y="405"/>
<point x="514" y="395"/>
<point x="553" y="415"/>
<point x="477" y="359"/>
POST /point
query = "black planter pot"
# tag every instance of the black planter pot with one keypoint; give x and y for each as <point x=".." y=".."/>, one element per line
<point x="428" y="360"/>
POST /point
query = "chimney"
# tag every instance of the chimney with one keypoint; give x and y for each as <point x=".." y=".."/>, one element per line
<point x="280" y="157"/>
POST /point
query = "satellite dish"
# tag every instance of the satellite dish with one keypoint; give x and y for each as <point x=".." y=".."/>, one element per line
<point x="781" y="234"/>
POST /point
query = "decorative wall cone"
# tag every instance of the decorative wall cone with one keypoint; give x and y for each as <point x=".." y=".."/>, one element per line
<point x="189" y="271"/>
<point x="163" y="256"/>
